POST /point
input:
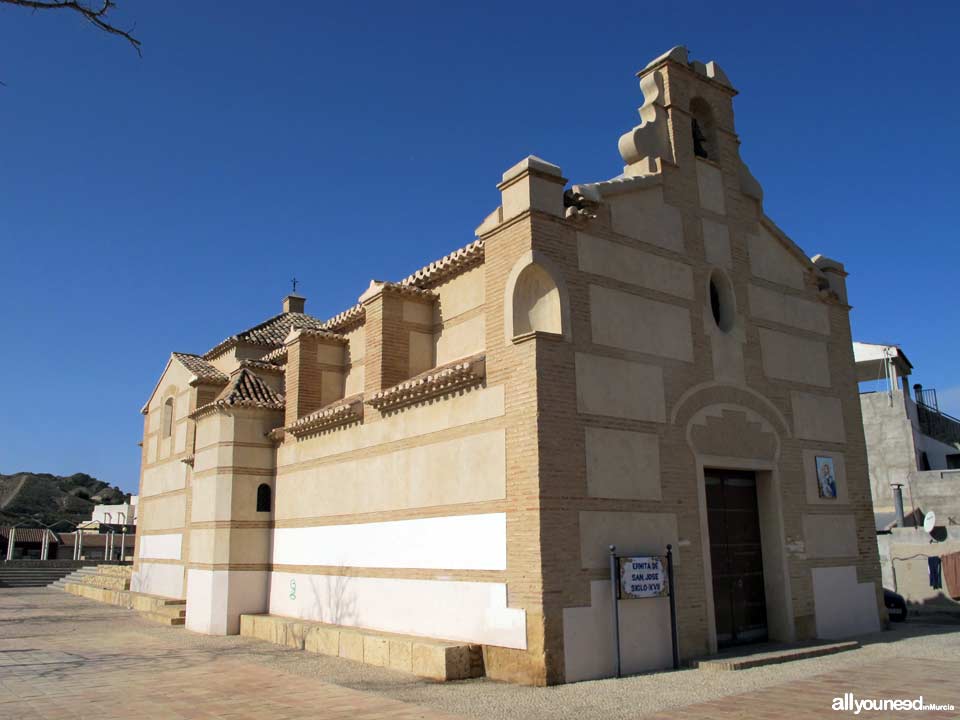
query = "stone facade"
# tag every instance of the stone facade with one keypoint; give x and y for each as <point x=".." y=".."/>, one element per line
<point x="452" y="456"/>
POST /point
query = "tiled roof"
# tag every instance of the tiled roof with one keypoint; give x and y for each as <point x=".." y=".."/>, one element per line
<point x="446" y="266"/>
<point x="28" y="535"/>
<point x="270" y="333"/>
<point x="204" y="371"/>
<point x="244" y="390"/>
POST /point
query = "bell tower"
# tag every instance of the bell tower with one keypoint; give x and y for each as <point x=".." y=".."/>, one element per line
<point x="687" y="115"/>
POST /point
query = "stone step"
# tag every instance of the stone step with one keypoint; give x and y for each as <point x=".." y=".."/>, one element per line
<point x="167" y="611"/>
<point x="760" y="655"/>
<point x="121" y="570"/>
<point x="75" y="576"/>
<point x="426" y="657"/>
<point x="104" y="595"/>
<point x="177" y="621"/>
<point x="31" y="576"/>
<point x="156" y="604"/>
<point x="111" y="587"/>
<point x="107" y="582"/>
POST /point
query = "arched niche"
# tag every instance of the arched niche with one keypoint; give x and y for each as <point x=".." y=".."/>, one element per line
<point x="536" y="299"/>
<point x="166" y="418"/>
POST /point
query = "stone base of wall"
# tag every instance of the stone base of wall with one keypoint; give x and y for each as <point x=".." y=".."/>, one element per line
<point x="434" y="659"/>
<point x="516" y="666"/>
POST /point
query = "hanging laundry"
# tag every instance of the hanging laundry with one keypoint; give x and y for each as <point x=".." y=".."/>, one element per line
<point x="935" y="566"/>
<point x="951" y="574"/>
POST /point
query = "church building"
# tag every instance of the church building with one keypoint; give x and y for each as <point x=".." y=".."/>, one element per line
<point x="640" y="361"/>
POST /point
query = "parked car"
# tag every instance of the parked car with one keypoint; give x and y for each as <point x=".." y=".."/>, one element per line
<point x="896" y="605"/>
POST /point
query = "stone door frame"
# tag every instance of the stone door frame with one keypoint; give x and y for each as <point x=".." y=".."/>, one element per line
<point x="776" y="576"/>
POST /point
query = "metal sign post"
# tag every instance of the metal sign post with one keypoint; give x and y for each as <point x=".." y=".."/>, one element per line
<point x="615" y="590"/>
<point x="635" y="578"/>
<point x="673" y="610"/>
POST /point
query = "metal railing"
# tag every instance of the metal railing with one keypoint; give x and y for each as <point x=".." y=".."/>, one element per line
<point x="933" y="422"/>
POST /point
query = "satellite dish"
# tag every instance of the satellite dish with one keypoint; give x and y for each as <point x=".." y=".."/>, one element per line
<point x="929" y="522"/>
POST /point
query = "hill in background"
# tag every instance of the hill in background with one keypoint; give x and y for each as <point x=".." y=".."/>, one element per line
<point x="51" y="498"/>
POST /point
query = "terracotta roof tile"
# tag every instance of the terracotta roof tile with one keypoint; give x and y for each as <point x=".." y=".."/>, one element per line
<point x="244" y="390"/>
<point x="435" y="382"/>
<point x="448" y="265"/>
<point x="263" y="365"/>
<point x="270" y="333"/>
<point x="200" y="367"/>
<point x="345" y="319"/>
<point x="28" y="535"/>
<point x="336" y="414"/>
<point x="277" y="356"/>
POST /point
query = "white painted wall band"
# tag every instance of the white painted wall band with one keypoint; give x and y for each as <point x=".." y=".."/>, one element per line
<point x="161" y="547"/>
<point x="460" y="542"/>
<point x="473" y="612"/>
<point x="158" y="579"/>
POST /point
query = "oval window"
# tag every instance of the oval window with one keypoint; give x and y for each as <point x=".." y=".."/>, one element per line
<point x="721" y="300"/>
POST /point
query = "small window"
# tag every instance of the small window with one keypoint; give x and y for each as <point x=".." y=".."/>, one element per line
<point x="722" y="304"/>
<point x="166" y="419"/>
<point x="263" y="498"/>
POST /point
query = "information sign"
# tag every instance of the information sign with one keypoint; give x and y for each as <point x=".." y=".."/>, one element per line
<point x="643" y="577"/>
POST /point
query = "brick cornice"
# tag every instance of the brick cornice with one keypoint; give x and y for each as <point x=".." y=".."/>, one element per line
<point x="433" y="383"/>
<point x="337" y="414"/>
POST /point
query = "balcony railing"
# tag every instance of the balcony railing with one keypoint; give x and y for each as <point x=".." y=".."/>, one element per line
<point x="933" y="422"/>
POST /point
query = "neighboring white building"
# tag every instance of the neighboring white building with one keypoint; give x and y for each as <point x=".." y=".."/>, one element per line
<point x="123" y="514"/>
<point x="95" y="545"/>
<point x="909" y="440"/>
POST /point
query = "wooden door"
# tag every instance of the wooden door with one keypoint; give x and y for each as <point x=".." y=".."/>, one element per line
<point x="739" y="597"/>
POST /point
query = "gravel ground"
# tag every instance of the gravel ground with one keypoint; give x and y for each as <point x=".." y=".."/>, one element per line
<point x="50" y="611"/>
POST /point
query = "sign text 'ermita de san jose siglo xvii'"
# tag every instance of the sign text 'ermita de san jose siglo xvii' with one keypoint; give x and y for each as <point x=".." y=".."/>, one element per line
<point x="642" y="577"/>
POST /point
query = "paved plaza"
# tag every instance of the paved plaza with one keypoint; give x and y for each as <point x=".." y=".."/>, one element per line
<point x="66" y="657"/>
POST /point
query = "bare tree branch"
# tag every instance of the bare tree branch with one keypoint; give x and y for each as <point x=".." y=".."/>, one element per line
<point x="96" y="16"/>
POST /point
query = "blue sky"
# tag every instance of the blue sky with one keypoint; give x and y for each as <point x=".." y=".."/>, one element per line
<point x="163" y="203"/>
